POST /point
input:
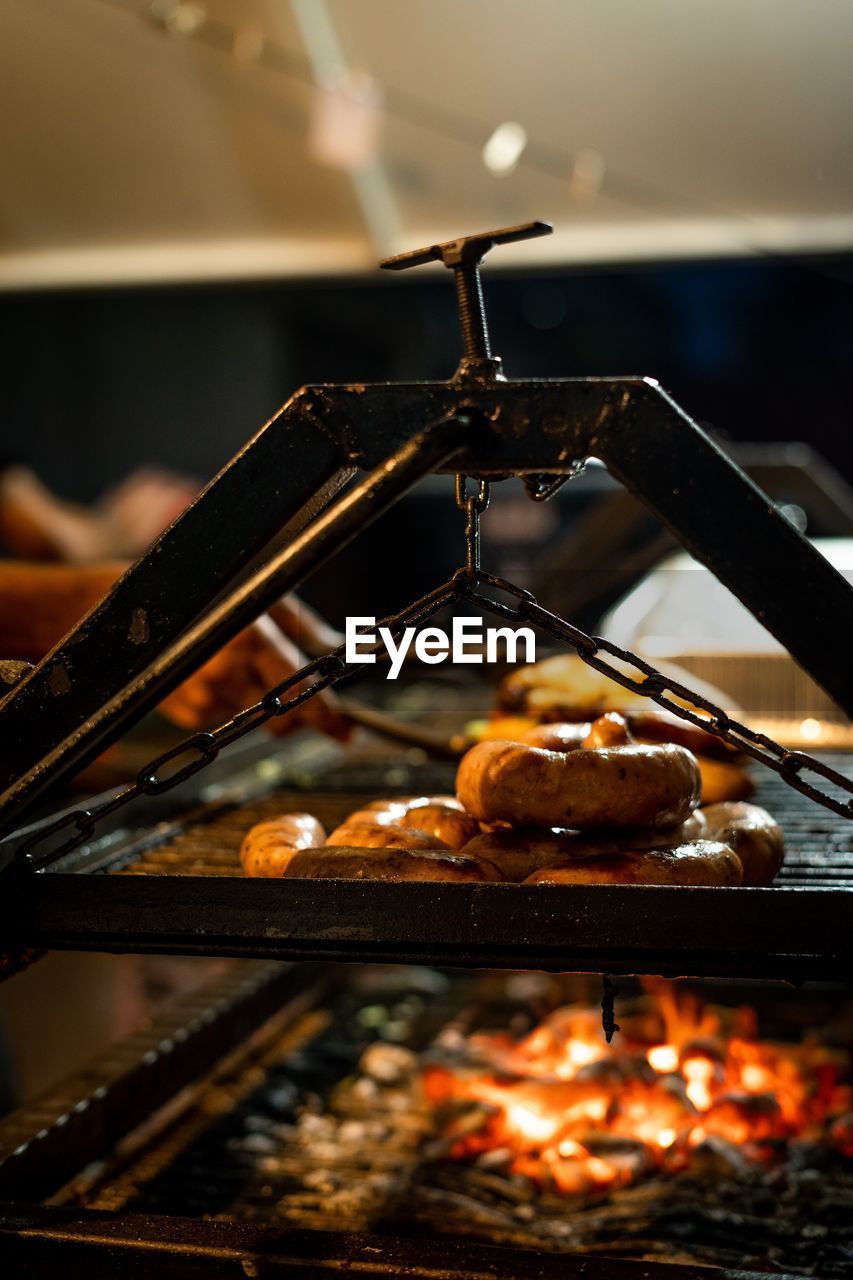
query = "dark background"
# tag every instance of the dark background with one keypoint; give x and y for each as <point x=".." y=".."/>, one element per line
<point x="96" y="383"/>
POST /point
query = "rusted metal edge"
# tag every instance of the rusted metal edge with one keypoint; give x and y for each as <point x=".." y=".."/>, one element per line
<point x="791" y="934"/>
<point x="48" y="1141"/>
<point x="52" y="1242"/>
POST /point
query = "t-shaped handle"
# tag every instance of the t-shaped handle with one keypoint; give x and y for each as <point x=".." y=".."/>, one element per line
<point x="463" y="257"/>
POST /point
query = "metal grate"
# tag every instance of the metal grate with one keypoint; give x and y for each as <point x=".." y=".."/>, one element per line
<point x="177" y="888"/>
<point x="819" y="843"/>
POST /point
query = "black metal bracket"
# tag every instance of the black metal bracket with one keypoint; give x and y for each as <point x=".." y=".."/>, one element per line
<point x="267" y="521"/>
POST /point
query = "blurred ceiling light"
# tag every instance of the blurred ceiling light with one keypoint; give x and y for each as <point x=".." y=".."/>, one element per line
<point x="505" y="147"/>
<point x="179" y="17"/>
<point x="346" y="119"/>
<point x="587" y="174"/>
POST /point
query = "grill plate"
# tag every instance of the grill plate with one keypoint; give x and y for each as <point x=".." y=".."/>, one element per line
<point x="179" y="889"/>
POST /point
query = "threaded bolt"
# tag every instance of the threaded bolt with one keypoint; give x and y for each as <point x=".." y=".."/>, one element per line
<point x="472" y="311"/>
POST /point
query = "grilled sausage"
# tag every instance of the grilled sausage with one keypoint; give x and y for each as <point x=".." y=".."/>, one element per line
<point x="440" y="816"/>
<point x="622" y="786"/>
<point x="564" y="687"/>
<point x="722" y="778"/>
<point x="751" y="832"/>
<point x="358" y="834"/>
<point x="519" y="851"/>
<point x="555" y="737"/>
<point x="394" y="864"/>
<point x="702" y="862"/>
<point x="268" y="846"/>
<point x="609" y="730"/>
<point x="403" y="804"/>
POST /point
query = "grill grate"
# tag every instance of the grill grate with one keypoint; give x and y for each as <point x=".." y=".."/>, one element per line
<point x="819" y="843"/>
<point x="279" y="1153"/>
<point x="178" y="888"/>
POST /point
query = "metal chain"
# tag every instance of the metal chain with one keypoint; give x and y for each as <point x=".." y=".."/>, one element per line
<point x="473" y="505"/>
<point x="655" y="685"/>
<point x="203" y="748"/>
<point x="474" y="585"/>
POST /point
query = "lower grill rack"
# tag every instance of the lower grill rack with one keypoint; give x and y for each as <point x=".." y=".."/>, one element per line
<point x="311" y="1151"/>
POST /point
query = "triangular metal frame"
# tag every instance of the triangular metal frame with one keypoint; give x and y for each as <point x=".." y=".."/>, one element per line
<point x="263" y="525"/>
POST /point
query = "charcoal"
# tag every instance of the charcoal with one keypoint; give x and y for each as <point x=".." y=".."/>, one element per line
<point x="716" y="1158"/>
<point x="388" y="1063"/>
<point x="254" y="1143"/>
<point x="497" y="1158"/>
<point x="336" y="1135"/>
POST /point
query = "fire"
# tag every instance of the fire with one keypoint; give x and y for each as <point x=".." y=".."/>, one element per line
<point x="568" y="1110"/>
<point x="663" y="1058"/>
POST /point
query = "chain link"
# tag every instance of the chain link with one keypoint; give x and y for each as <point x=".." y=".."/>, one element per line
<point x="467" y="584"/>
<point x="473" y="505"/>
<point x="654" y="685"/>
<point x="205" y="747"/>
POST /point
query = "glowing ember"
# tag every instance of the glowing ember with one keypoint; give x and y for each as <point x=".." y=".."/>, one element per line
<point x="568" y="1110"/>
<point x="663" y="1057"/>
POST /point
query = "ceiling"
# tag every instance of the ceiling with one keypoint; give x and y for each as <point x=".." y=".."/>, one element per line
<point x="171" y="141"/>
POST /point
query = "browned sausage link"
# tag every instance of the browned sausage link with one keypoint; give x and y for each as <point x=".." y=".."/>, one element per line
<point x="361" y="863"/>
<point x="440" y="816"/>
<point x="755" y="837"/>
<point x="519" y="851"/>
<point x="378" y="835"/>
<point x="392" y="809"/>
<point x="703" y="862"/>
<point x="582" y="845"/>
<point x="631" y="786"/>
<point x="381" y="811"/>
<point x="556" y="737"/>
<point x="452" y="827"/>
<point x="386" y="817"/>
<point x="610" y="730"/>
<point x="563" y="688"/>
<point x="658" y="725"/>
<point x="268" y="846"/>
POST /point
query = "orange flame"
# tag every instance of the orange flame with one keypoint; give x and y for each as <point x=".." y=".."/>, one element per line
<point x="568" y="1110"/>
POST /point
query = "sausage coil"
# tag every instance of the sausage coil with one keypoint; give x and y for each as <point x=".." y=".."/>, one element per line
<point x="620" y="786"/>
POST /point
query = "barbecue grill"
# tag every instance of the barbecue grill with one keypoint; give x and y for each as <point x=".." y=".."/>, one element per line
<point x="168" y="880"/>
<point x="177" y="886"/>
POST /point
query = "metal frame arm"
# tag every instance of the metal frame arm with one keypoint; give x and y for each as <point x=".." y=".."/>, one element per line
<point x="95" y="712"/>
<point x="652" y="447"/>
<point x="94" y="682"/>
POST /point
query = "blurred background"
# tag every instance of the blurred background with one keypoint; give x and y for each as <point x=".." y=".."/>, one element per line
<point x="196" y="193"/>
